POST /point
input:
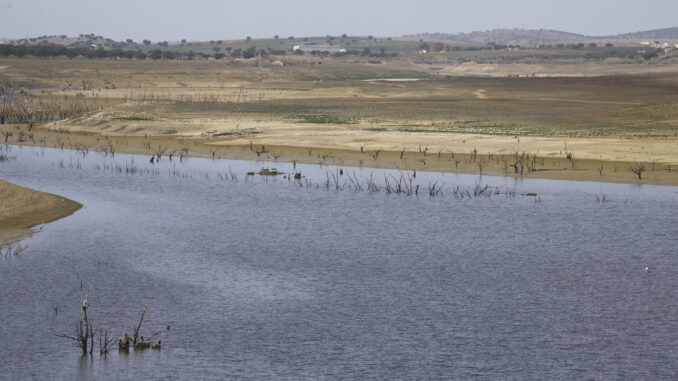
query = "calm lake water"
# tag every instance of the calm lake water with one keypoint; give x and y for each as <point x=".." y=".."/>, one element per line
<point x="265" y="279"/>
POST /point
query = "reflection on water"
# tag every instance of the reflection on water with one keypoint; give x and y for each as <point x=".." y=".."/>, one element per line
<point x="86" y="364"/>
<point x="267" y="278"/>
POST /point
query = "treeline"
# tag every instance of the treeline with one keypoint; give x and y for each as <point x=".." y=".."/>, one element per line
<point x="54" y="50"/>
<point x="365" y="52"/>
<point x="156" y="54"/>
<point x="62" y="51"/>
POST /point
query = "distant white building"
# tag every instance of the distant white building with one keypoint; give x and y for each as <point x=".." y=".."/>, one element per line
<point x="645" y="43"/>
<point x="319" y="48"/>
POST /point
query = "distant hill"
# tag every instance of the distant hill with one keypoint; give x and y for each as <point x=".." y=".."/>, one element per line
<point x="657" y="34"/>
<point x="541" y="36"/>
<point x="523" y="37"/>
<point x="81" y="41"/>
<point x="507" y="36"/>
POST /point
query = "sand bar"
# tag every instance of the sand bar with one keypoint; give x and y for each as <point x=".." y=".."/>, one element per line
<point x="23" y="208"/>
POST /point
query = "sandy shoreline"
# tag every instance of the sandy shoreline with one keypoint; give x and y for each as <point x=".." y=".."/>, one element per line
<point x="592" y="159"/>
<point x="23" y="208"/>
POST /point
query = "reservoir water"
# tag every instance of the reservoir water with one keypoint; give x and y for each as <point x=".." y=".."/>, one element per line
<point x="266" y="278"/>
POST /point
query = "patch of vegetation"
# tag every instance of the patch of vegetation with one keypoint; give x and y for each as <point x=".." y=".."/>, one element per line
<point x="132" y="118"/>
<point x="326" y="119"/>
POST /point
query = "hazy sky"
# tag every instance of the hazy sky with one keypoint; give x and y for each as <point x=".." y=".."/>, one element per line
<point x="226" y="19"/>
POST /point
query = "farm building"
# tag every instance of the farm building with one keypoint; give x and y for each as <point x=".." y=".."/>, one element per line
<point x="319" y="48"/>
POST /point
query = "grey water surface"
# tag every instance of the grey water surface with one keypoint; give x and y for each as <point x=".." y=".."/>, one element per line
<point x="263" y="278"/>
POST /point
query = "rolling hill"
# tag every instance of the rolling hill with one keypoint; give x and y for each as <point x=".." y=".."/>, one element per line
<point x="540" y="36"/>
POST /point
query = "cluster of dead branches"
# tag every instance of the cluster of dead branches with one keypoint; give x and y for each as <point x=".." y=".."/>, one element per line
<point x="522" y="161"/>
<point x="261" y="150"/>
<point x="11" y="250"/>
<point x="4" y="156"/>
<point x="7" y="134"/>
<point x="23" y="107"/>
<point x="157" y="154"/>
<point x="84" y="334"/>
<point x="108" y="148"/>
<point x="183" y="153"/>
<point x="128" y="168"/>
<point x="401" y="185"/>
<point x="519" y="164"/>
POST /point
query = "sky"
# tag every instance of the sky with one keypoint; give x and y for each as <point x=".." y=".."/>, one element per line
<point x="173" y="20"/>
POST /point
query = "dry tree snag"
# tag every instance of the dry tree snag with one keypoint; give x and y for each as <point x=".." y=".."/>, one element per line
<point x="159" y="152"/>
<point x="136" y="326"/>
<point x="139" y="342"/>
<point x="262" y="150"/>
<point x="106" y="341"/>
<point x="84" y="330"/>
<point x="638" y="169"/>
<point x="183" y="153"/>
<point x="111" y="149"/>
<point x="481" y="165"/>
<point x="519" y="165"/>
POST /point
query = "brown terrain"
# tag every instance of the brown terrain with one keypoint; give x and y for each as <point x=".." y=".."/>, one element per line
<point x="564" y="122"/>
<point x="22" y="208"/>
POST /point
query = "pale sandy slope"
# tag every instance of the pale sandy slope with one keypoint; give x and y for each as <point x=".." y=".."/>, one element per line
<point x="22" y="208"/>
